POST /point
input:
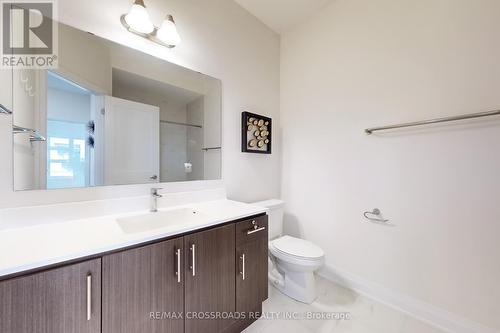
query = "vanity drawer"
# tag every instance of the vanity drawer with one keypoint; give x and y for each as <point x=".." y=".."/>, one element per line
<point x="250" y="230"/>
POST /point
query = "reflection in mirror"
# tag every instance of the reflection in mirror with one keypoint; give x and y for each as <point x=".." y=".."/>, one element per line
<point x="111" y="115"/>
<point x="68" y="115"/>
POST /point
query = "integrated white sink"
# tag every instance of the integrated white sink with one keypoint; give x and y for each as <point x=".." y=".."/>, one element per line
<point x="161" y="219"/>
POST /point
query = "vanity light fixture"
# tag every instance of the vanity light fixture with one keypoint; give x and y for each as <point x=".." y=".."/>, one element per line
<point x="137" y="21"/>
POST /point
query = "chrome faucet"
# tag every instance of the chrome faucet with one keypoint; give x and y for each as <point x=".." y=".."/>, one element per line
<point x="154" y="199"/>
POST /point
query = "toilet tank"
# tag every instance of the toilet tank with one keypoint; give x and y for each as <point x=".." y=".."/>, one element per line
<point x="275" y="213"/>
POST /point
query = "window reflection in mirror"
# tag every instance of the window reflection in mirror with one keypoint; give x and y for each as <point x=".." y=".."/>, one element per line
<point x="111" y="115"/>
<point x="68" y="115"/>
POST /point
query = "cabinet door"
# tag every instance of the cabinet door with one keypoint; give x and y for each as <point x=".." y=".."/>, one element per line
<point x="61" y="300"/>
<point x="251" y="257"/>
<point x="143" y="291"/>
<point x="210" y="282"/>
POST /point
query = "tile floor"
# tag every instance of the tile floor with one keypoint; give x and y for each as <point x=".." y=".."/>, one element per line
<point x="366" y="315"/>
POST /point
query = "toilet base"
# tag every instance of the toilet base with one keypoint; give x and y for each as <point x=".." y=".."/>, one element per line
<point x="300" y="286"/>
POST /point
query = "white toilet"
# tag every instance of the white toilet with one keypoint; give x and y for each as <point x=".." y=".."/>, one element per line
<point x="293" y="261"/>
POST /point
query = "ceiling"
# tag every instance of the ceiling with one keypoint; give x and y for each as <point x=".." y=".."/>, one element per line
<point x="139" y="83"/>
<point x="58" y="82"/>
<point x="282" y="15"/>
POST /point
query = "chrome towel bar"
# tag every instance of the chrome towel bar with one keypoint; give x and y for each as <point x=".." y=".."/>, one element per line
<point x="35" y="136"/>
<point x="178" y="123"/>
<point x="211" y="148"/>
<point x="434" y="121"/>
<point x="4" y="110"/>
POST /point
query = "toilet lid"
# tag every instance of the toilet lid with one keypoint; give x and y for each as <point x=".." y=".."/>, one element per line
<point x="298" y="247"/>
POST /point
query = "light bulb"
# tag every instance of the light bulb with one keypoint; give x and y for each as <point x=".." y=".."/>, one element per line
<point x="168" y="32"/>
<point x="138" y="18"/>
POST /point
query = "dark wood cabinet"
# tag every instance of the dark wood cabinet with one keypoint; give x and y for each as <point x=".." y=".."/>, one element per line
<point x="142" y="289"/>
<point x="62" y="300"/>
<point x="194" y="283"/>
<point x="251" y="258"/>
<point x="210" y="282"/>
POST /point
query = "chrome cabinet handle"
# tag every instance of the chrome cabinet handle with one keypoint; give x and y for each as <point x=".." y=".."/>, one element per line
<point x="193" y="259"/>
<point x="178" y="273"/>
<point x="256" y="229"/>
<point x="243" y="266"/>
<point x="89" y="296"/>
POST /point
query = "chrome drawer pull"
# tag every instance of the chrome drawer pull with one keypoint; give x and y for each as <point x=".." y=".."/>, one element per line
<point x="178" y="273"/>
<point x="89" y="296"/>
<point x="249" y="232"/>
<point x="243" y="266"/>
<point x="193" y="258"/>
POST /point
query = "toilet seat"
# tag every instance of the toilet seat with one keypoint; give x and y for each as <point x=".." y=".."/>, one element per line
<point x="295" y="249"/>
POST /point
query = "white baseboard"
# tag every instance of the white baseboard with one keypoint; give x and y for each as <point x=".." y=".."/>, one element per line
<point x="445" y="320"/>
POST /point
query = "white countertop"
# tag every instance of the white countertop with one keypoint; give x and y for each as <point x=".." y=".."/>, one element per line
<point x="27" y="248"/>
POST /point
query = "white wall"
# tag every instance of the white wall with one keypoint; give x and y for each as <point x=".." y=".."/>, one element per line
<point x="93" y="59"/>
<point x="362" y="63"/>
<point x="173" y="152"/>
<point x="219" y="39"/>
<point x="24" y="100"/>
<point x="195" y="143"/>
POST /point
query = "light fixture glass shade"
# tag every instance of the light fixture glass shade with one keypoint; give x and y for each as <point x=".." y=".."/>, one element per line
<point x="168" y="32"/>
<point x="138" y="18"/>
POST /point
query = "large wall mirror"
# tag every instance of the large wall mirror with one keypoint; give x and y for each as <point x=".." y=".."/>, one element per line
<point x="111" y="115"/>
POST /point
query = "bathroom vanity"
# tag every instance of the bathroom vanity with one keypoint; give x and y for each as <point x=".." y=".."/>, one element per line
<point x="209" y="279"/>
<point x="91" y="258"/>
